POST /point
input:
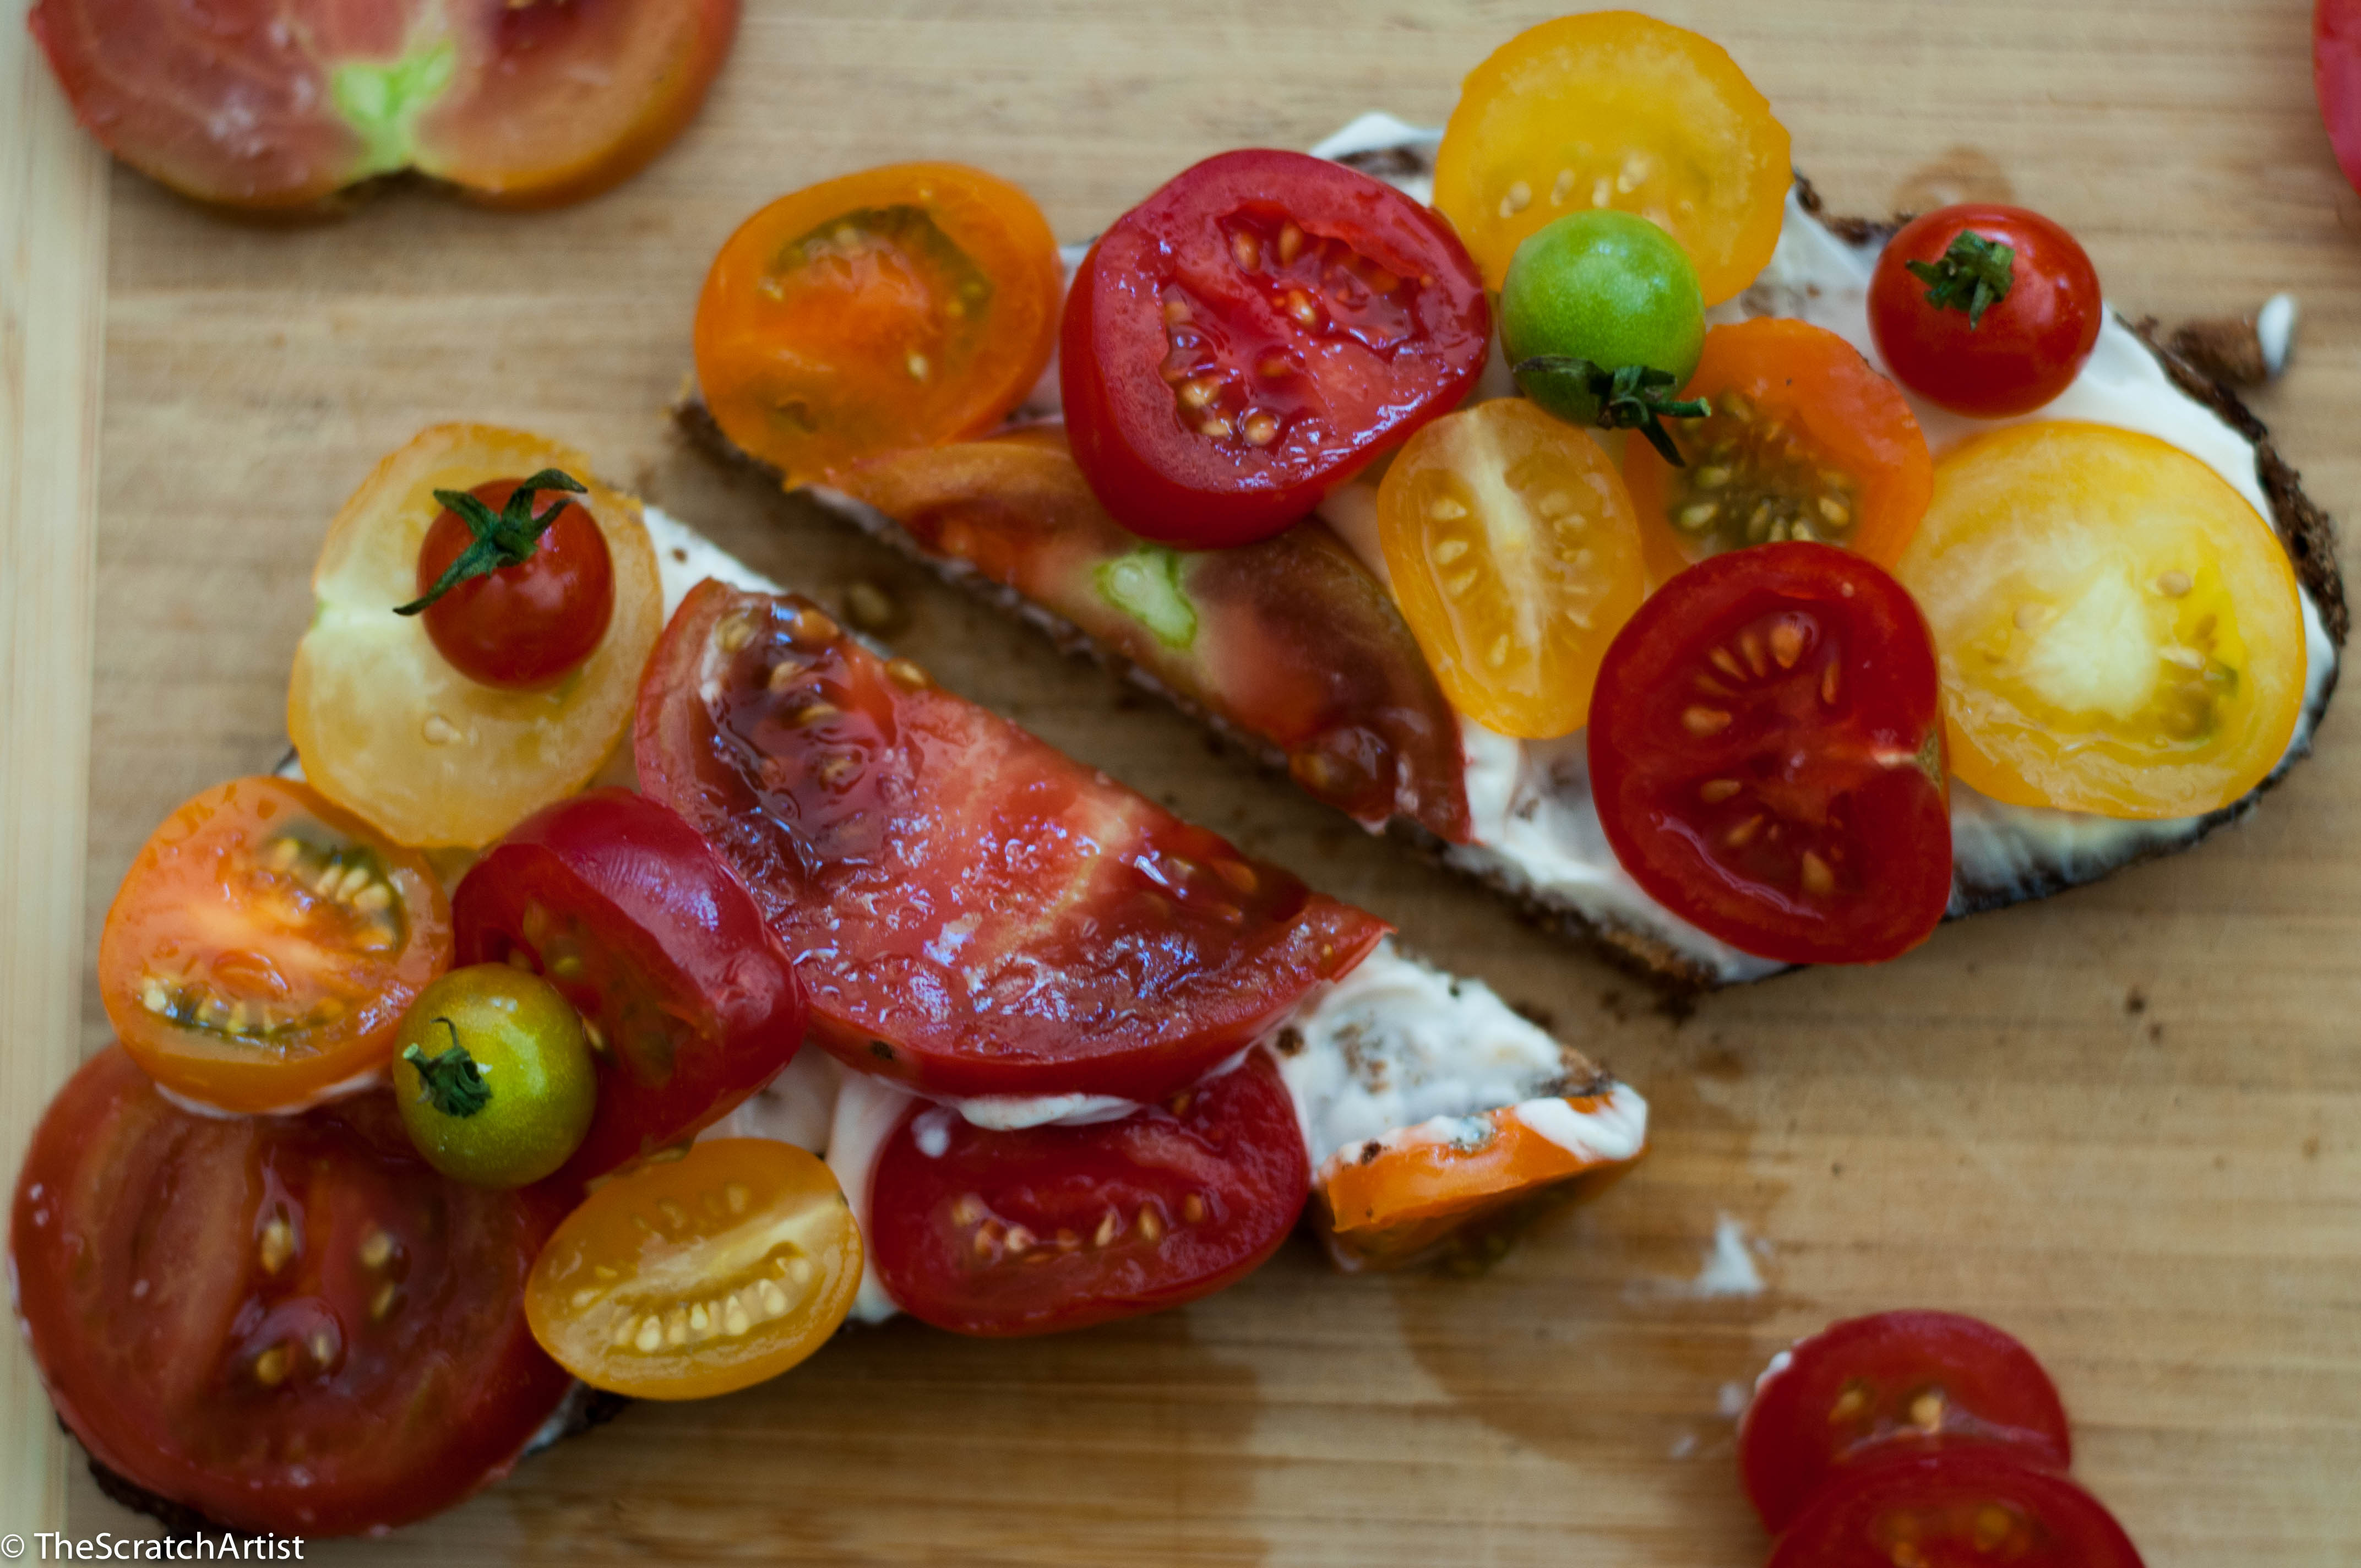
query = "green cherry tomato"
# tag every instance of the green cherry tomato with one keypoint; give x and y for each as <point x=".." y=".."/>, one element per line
<point x="493" y="1076"/>
<point x="1608" y="288"/>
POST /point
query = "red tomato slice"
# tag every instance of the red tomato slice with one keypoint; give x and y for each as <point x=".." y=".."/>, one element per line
<point x="2336" y="78"/>
<point x="1866" y="1389"/>
<point x="1053" y="1228"/>
<point x="280" y="102"/>
<point x="973" y="912"/>
<point x="1966" y="1508"/>
<point x="287" y="1323"/>
<point x="1766" y="749"/>
<point x="690" y="1002"/>
<point x="1253" y="333"/>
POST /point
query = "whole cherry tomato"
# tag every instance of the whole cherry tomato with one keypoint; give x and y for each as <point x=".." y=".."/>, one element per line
<point x="524" y="624"/>
<point x="1988" y="311"/>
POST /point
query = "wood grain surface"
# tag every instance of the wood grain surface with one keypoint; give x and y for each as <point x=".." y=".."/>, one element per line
<point x="2125" y="1122"/>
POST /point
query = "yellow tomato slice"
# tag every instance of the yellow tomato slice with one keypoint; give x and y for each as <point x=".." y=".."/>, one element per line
<point x="1516" y="557"/>
<point x="386" y="726"/>
<point x="2119" y="629"/>
<point x="1613" y="109"/>
<point x="699" y="1275"/>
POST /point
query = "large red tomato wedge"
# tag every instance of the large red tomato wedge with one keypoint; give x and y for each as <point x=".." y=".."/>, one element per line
<point x="973" y="912"/>
<point x="276" y="103"/>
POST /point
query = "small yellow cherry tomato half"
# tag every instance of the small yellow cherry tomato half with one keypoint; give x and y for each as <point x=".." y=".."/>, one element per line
<point x="1516" y="557"/>
<point x="2118" y="628"/>
<point x="1614" y="109"/>
<point x="699" y="1275"/>
<point x="493" y="1076"/>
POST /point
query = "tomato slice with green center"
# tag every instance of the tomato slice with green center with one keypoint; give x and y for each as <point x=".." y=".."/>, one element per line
<point x="1864" y="1390"/>
<point x="973" y="912"/>
<point x="689" y="1002"/>
<point x="1802" y="440"/>
<point x="1767" y="756"/>
<point x="1250" y="335"/>
<point x="288" y="1323"/>
<point x="1968" y="1509"/>
<point x="264" y="945"/>
<point x="894" y="308"/>
<point x="1051" y="1228"/>
<point x="699" y="1275"/>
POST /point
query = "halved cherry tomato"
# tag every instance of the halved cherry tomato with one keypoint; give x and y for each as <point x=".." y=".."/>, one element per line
<point x="1964" y="1509"/>
<point x="256" y="103"/>
<point x="699" y="1275"/>
<point x="1246" y="337"/>
<point x="1289" y="639"/>
<point x="289" y="1324"/>
<point x="386" y="727"/>
<point x="1614" y="109"/>
<point x="264" y="945"/>
<point x="1861" y="1391"/>
<point x="523" y="626"/>
<point x="2119" y="628"/>
<point x="2005" y="351"/>
<point x="1767" y="756"/>
<point x="1805" y="441"/>
<point x="894" y="308"/>
<point x="2336" y="79"/>
<point x="690" y="1002"/>
<point x="1515" y="555"/>
<point x="973" y="912"/>
<point x="1052" y="1228"/>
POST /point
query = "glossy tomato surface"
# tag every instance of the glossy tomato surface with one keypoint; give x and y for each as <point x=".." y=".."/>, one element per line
<point x="1869" y="1388"/>
<point x="2336" y="78"/>
<point x="1049" y="1228"/>
<point x="1252" y="333"/>
<point x="690" y="1002"/>
<point x="264" y="945"/>
<point x="973" y="912"/>
<point x="279" y="103"/>
<point x="1964" y="1509"/>
<point x="523" y="626"/>
<point x="2028" y="347"/>
<point x="287" y="1323"/>
<point x="1767" y="755"/>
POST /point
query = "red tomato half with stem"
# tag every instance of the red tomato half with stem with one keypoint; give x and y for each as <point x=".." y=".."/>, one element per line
<point x="1050" y="1228"/>
<point x="1250" y="335"/>
<point x="1868" y="1389"/>
<point x="2336" y="77"/>
<point x="1766" y="750"/>
<point x="287" y="1323"/>
<point x="1974" y="1508"/>
<point x="689" y="1002"/>
<point x="2005" y="326"/>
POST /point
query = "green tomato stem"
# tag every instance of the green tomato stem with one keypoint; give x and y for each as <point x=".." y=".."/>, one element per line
<point x="1973" y="275"/>
<point x="507" y="538"/>
<point x="1630" y="397"/>
<point x="453" y="1081"/>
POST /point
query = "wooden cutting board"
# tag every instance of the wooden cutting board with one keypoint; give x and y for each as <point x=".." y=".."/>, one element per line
<point x="2126" y="1123"/>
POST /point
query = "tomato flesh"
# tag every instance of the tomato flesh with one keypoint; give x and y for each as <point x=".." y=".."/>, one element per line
<point x="1253" y="332"/>
<point x="2336" y="79"/>
<point x="264" y="945"/>
<point x="523" y="626"/>
<point x="1866" y="1389"/>
<point x="973" y="912"/>
<point x="1961" y="1508"/>
<point x="690" y="1002"/>
<point x="1767" y="756"/>
<point x="1051" y="1228"/>
<point x="2028" y="347"/>
<point x="289" y="1324"/>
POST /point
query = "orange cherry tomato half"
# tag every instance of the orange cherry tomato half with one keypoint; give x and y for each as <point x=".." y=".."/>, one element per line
<point x="1806" y="440"/>
<point x="894" y="308"/>
<point x="264" y="945"/>
<point x="699" y="1275"/>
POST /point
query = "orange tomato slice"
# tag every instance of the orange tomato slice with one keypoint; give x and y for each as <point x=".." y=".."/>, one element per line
<point x="699" y="1275"/>
<point x="1516" y="558"/>
<point x="1614" y="109"/>
<point x="1806" y="440"/>
<point x="899" y="307"/>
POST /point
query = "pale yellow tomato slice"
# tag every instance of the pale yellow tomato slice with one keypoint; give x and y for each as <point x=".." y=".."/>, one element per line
<point x="1516" y="557"/>
<point x="386" y="726"/>
<point x="2119" y="628"/>
<point x="699" y="1275"/>
<point x="1614" y="109"/>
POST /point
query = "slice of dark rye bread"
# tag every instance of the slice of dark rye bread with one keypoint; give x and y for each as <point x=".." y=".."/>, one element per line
<point x="2305" y="531"/>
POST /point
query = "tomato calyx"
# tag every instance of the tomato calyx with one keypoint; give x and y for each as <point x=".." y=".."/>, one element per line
<point x="503" y="539"/>
<point x="453" y="1080"/>
<point x="1973" y="275"/>
<point x="1629" y="397"/>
